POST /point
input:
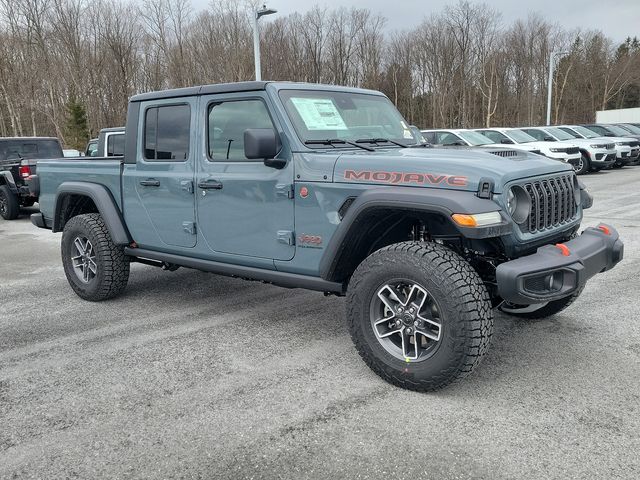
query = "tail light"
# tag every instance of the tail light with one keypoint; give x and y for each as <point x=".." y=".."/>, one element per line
<point x="25" y="171"/>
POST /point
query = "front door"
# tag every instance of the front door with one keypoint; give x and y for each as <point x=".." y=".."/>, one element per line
<point x="164" y="214"/>
<point x="244" y="207"/>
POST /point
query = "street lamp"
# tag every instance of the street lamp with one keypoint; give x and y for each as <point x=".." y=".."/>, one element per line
<point x="256" y="37"/>
<point x="552" y="61"/>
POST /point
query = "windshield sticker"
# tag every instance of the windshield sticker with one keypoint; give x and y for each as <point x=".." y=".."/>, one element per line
<point x="319" y="113"/>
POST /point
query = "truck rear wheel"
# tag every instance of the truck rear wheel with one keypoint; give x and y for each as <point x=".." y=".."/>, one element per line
<point x="544" y="310"/>
<point x="419" y="315"/>
<point x="9" y="204"/>
<point x="96" y="268"/>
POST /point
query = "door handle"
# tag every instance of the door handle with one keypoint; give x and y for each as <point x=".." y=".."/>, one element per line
<point x="150" y="182"/>
<point x="210" y="185"/>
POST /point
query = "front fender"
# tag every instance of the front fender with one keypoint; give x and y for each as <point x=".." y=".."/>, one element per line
<point x="104" y="202"/>
<point x="423" y="200"/>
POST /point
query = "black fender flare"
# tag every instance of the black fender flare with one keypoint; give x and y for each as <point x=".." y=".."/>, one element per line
<point x="418" y="199"/>
<point x="104" y="202"/>
<point x="8" y="180"/>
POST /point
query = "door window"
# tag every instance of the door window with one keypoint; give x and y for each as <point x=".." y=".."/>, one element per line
<point x="226" y="124"/>
<point x="115" y="145"/>
<point x="167" y="133"/>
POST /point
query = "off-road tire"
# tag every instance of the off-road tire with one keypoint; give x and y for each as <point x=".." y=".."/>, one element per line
<point x="467" y="317"/>
<point x="112" y="264"/>
<point x="9" y="204"/>
<point x="584" y="167"/>
<point x="551" y="308"/>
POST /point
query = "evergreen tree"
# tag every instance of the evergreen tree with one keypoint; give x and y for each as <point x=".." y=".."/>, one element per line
<point x="76" y="129"/>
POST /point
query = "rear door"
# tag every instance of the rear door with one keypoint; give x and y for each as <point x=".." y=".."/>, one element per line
<point x="244" y="207"/>
<point x="163" y="214"/>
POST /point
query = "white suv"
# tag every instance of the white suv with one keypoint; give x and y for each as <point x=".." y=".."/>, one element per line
<point x="561" y="151"/>
<point x="457" y="137"/>
<point x="623" y="145"/>
<point x="595" y="155"/>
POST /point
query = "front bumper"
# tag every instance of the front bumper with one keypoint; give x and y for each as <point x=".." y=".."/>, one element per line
<point x="555" y="272"/>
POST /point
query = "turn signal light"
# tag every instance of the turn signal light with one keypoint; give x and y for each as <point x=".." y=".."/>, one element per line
<point x="477" y="220"/>
<point x="604" y="229"/>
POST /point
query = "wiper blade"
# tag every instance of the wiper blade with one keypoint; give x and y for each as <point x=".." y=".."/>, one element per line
<point x="337" y="141"/>
<point x="380" y="140"/>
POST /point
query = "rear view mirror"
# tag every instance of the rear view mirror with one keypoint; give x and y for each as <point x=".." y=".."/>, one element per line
<point x="506" y="141"/>
<point x="263" y="144"/>
<point x="549" y="139"/>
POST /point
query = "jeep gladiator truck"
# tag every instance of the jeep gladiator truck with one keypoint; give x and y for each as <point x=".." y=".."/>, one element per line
<point x="18" y="157"/>
<point x="325" y="188"/>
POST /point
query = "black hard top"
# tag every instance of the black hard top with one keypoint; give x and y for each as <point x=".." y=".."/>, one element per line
<point x="201" y="90"/>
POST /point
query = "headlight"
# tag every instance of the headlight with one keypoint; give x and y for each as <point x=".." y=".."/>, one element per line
<point x="598" y="146"/>
<point x="518" y="204"/>
<point x="478" y="219"/>
<point x="557" y="150"/>
<point x="620" y="144"/>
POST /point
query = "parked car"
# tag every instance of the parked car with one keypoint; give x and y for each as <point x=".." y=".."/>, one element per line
<point x="562" y="151"/>
<point x="110" y="143"/>
<point x="621" y="144"/>
<point x="468" y="138"/>
<point x="629" y="127"/>
<point x="289" y="184"/>
<point x="594" y="156"/>
<point x="615" y="131"/>
<point x="18" y="157"/>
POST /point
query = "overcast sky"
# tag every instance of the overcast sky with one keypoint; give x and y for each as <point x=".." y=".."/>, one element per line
<point x="617" y="18"/>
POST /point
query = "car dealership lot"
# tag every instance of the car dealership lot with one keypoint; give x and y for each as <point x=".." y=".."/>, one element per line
<point x="191" y="375"/>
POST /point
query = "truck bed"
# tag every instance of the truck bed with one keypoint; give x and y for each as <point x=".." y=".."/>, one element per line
<point x="52" y="173"/>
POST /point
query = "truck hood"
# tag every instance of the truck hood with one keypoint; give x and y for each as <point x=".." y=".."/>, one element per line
<point x="458" y="169"/>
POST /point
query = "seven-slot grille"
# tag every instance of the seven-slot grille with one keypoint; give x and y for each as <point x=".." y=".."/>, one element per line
<point x="572" y="150"/>
<point x="552" y="202"/>
<point x="610" y="146"/>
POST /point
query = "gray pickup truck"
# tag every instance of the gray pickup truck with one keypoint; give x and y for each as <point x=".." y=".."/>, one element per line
<point x="327" y="188"/>
<point x="18" y="160"/>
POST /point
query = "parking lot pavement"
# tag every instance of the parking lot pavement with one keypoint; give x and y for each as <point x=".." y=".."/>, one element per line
<point x="190" y="375"/>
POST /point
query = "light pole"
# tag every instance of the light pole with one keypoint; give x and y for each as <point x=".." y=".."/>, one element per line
<point x="256" y="37"/>
<point x="552" y="61"/>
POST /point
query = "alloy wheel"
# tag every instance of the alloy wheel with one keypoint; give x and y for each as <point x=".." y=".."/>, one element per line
<point x="406" y="320"/>
<point x="83" y="258"/>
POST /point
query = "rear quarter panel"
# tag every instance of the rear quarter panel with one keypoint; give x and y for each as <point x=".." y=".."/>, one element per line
<point x="52" y="173"/>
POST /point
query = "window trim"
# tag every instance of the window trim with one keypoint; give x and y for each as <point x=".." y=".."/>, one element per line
<point x="207" y="112"/>
<point x="144" y="132"/>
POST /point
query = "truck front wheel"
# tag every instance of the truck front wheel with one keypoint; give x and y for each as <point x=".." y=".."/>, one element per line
<point x="9" y="205"/>
<point x="96" y="268"/>
<point x="419" y="315"/>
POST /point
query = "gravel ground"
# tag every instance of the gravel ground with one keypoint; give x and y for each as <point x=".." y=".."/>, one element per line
<point x="189" y="375"/>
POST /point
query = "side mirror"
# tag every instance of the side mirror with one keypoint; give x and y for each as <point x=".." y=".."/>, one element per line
<point x="506" y="141"/>
<point x="263" y="144"/>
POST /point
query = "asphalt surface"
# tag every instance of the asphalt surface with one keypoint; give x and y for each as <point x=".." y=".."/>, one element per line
<point x="190" y="375"/>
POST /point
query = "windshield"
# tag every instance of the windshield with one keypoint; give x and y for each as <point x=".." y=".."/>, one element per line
<point x="475" y="138"/>
<point x="631" y="128"/>
<point x="519" y="136"/>
<point x="585" y="132"/>
<point x="30" y="149"/>
<point x="570" y="132"/>
<point x="620" y="132"/>
<point x="322" y="115"/>
<point x="559" y="134"/>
